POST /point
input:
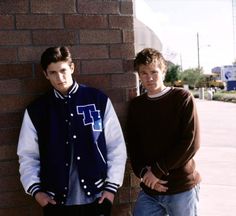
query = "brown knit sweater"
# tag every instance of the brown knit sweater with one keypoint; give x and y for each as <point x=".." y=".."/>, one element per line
<point x="163" y="132"/>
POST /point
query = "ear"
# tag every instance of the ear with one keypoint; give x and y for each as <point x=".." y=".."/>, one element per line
<point x="163" y="76"/>
<point x="45" y="74"/>
<point x="72" y="66"/>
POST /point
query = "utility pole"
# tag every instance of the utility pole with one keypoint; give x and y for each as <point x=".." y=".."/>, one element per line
<point x="234" y="26"/>
<point x="198" y="52"/>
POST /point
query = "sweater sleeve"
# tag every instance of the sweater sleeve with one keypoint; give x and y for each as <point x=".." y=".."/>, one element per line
<point x="185" y="149"/>
<point x="116" y="149"/>
<point x="132" y="137"/>
<point x="28" y="153"/>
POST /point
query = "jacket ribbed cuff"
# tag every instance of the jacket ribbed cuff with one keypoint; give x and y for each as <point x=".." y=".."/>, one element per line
<point x="111" y="187"/>
<point x="33" y="189"/>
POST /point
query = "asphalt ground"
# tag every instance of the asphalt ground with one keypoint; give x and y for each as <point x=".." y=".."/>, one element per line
<point x="216" y="159"/>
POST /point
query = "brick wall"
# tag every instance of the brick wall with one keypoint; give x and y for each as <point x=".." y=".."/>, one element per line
<point x="100" y="35"/>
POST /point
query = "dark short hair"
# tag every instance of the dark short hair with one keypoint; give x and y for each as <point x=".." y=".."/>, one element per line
<point x="146" y="56"/>
<point x="55" y="54"/>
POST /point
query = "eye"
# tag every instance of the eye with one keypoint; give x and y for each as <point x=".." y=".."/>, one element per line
<point x="63" y="71"/>
<point x="155" y="72"/>
<point x="51" y="72"/>
<point x="143" y="73"/>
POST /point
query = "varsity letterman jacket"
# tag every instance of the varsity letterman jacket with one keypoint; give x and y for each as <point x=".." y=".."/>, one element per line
<point x="84" y="119"/>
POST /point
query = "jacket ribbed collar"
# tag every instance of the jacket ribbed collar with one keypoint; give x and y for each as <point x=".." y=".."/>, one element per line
<point x="73" y="89"/>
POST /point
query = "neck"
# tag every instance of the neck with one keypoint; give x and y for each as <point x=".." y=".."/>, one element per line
<point x="156" y="91"/>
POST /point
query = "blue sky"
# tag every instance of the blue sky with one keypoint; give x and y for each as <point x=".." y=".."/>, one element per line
<point x="177" y="23"/>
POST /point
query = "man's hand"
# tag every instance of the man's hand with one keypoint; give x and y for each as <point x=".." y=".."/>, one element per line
<point x="151" y="181"/>
<point x="43" y="199"/>
<point x="108" y="195"/>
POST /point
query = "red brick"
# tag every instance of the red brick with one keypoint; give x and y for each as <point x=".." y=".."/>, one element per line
<point x="97" y="81"/>
<point x="10" y="86"/>
<point x="36" y="86"/>
<point x="9" y="136"/>
<point x="6" y="21"/>
<point x="77" y="67"/>
<point x="14" y="199"/>
<point x="17" y="211"/>
<point x="120" y="105"/>
<point x="9" y="71"/>
<point x="15" y="38"/>
<point x="30" y="53"/>
<point x="14" y="6"/>
<point x="38" y="72"/>
<point x="121" y="110"/>
<point x="14" y="103"/>
<point x="128" y="36"/>
<point x="131" y="93"/>
<point x="55" y="37"/>
<point x="85" y="21"/>
<point x="121" y="210"/>
<point x="121" y="22"/>
<point x="123" y="80"/>
<point x="124" y="195"/>
<point x="53" y="6"/>
<point x="134" y="193"/>
<point x="11" y="183"/>
<point x="39" y="22"/>
<point x="122" y="51"/>
<point x="102" y="66"/>
<point x="98" y="7"/>
<point x="126" y="7"/>
<point x="100" y="36"/>
<point x="128" y="65"/>
<point x="36" y="209"/>
<point x="8" y="168"/>
<point x="8" y="152"/>
<point x="117" y="96"/>
<point x="10" y="120"/>
<point x="8" y="54"/>
<point x="135" y="181"/>
<point x="126" y="182"/>
<point x="128" y="164"/>
<point x="90" y="52"/>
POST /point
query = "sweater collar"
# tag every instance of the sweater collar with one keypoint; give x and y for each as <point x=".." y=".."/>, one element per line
<point x="73" y="89"/>
<point x="164" y="91"/>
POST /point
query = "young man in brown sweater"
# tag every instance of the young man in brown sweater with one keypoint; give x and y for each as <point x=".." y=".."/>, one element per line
<point x="163" y="137"/>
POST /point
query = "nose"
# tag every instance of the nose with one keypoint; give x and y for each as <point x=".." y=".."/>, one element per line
<point x="149" y="77"/>
<point x="60" y="77"/>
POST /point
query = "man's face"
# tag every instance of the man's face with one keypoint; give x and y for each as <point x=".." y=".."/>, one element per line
<point x="60" y="75"/>
<point x="152" y="77"/>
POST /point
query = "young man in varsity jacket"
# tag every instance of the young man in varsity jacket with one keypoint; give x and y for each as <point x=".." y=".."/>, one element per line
<point x="71" y="148"/>
<point x="163" y="137"/>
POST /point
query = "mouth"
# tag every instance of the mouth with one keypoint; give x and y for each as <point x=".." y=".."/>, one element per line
<point x="150" y="84"/>
<point x="61" y="83"/>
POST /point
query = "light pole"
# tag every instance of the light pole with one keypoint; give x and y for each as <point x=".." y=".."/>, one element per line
<point x="198" y="52"/>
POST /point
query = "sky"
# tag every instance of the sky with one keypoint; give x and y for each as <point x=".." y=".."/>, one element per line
<point x="177" y="23"/>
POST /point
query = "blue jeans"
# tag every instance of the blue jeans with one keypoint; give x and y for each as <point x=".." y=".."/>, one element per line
<point x="180" y="204"/>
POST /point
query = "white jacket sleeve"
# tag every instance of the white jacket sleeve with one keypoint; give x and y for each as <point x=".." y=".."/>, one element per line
<point x="28" y="152"/>
<point x="116" y="148"/>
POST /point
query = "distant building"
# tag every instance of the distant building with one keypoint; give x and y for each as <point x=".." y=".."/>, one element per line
<point x="217" y="72"/>
<point x="144" y="36"/>
<point x="228" y="75"/>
